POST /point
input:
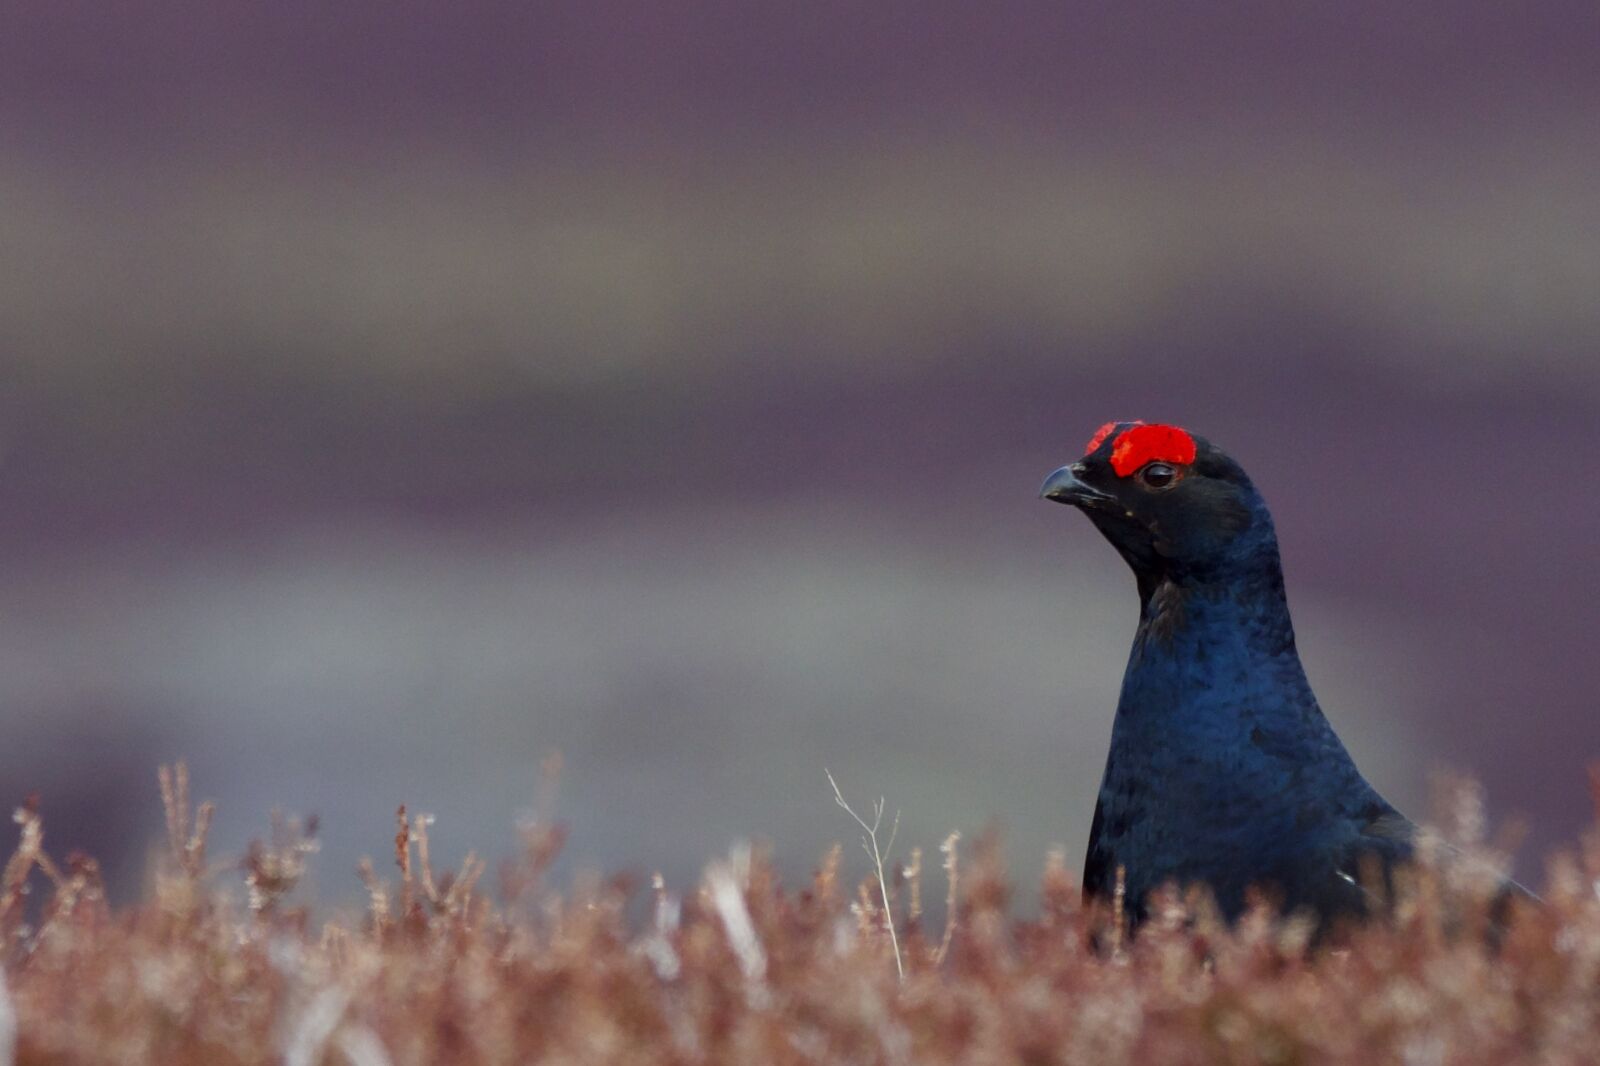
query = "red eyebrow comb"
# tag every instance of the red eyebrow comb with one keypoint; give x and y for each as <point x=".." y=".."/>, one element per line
<point x="1140" y="444"/>
<point x="1143" y="444"/>
<point x="1101" y="434"/>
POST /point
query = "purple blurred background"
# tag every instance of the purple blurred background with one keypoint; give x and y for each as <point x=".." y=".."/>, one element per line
<point x="395" y="392"/>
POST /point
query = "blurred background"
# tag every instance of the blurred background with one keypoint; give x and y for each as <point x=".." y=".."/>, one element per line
<point x="391" y="394"/>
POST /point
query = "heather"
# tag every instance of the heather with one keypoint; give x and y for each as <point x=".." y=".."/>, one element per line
<point x="219" y="963"/>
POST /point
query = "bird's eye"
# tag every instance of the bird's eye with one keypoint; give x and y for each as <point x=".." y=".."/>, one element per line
<point x="1158" y="475"/>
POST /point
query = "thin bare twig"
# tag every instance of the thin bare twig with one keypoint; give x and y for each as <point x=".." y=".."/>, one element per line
<point x="869" y="844"/>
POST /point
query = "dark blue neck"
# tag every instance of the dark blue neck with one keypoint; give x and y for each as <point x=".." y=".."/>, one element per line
<point x="1217" y="646"/>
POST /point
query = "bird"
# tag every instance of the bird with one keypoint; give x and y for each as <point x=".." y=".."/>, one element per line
<point x="1223" y="770"/>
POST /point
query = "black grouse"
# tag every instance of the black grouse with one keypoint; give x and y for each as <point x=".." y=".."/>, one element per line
<point x="1223" y="770"/>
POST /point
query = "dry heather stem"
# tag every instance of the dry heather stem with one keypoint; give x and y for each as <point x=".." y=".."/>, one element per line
<point x="912" y="873"/>
<point x="952" y="875"/>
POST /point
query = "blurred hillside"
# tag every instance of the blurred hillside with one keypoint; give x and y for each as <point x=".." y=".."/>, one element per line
<point x="390" y="395"/>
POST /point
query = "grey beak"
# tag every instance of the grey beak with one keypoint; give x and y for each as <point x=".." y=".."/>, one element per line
<point x="1067" y="486"/>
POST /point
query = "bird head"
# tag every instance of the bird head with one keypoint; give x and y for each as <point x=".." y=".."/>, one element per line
<point x="1170" y="502"/>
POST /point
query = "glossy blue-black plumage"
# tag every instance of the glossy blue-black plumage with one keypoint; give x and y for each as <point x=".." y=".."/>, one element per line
<point x="1223" y="770"/>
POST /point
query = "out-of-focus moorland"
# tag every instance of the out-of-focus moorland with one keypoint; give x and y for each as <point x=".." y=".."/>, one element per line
<point x="388" y="397"/>
<point x="746" y="966"/>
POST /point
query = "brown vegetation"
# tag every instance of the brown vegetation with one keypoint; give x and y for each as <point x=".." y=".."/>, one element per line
<point x="743" y="970"/>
